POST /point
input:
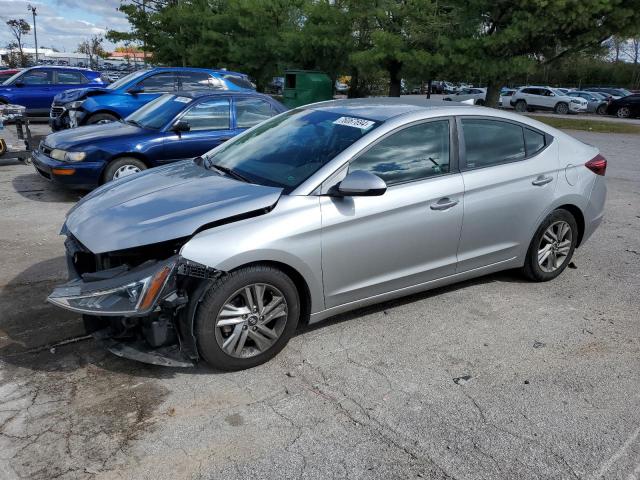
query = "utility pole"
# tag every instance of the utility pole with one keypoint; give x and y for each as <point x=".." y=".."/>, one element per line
<point x="35" y="33"/>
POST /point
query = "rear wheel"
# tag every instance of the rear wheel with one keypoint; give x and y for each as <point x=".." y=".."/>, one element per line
<point x="562" y="108"/>
<point x="623" y="112"/>
<point x="246" y="317"/>
<point x="480" y="102"/>
<point x="122" y="167"/>
<point x="101" y="118"/>
<point x="552" y="247"/>
<point x="601" y="110"/>
<point x="521" y="106"/>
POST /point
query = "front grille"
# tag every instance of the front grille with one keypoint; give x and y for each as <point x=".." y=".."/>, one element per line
<point x="56" y="111"/>
<point x="197" y="270"/>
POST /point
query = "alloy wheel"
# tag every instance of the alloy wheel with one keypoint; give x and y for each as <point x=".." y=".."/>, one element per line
<point x="125" y="170"/>
<point x="251" y="320"/>
<point x="562" y="109"/>
<point x="623" y="112"/>
<point x="555" y="246"/>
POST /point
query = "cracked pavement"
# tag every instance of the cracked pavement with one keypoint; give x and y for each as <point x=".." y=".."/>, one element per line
<point x="547" y="377"/>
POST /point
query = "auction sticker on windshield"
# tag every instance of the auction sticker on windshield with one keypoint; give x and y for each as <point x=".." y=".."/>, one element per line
<point x="182" y="99"/>
<point x="354" y="122"/>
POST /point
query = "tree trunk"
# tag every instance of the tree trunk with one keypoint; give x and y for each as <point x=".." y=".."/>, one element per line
<point x="493" y="94"/>
<point x="354" y="85"/>
<point x="395" y="82"/>
<point x="429" y="87"/>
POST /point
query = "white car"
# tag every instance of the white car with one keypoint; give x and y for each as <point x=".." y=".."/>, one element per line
<point x="528" y="99"/>
<point x="505" y="98"/>
<point x="478" y="96"/>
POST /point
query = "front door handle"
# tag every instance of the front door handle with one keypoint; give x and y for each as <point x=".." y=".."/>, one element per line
<point x="443" y="204"/>
<point x="541" y="180"/>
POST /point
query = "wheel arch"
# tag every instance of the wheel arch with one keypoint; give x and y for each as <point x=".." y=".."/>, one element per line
<point x="99" y="111"/>
<point x="578" y="215"/>
<point x="137" y="155"/>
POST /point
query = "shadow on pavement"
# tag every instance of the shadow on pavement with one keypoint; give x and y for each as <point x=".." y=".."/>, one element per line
<point x="33" y="187"/>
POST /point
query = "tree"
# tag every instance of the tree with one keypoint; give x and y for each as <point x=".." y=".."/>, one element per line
<point x="499" y="39"/>
<point x="19" y="28"/>
<point x="92" y="48"/>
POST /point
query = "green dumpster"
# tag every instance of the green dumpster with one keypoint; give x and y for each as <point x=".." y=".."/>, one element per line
<point x="306" y="86"/>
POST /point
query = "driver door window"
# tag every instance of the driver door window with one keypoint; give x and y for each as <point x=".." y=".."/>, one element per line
<point x="162" y="82"/>
<point x="209" y="115"/>
<point x="414" y="153"/>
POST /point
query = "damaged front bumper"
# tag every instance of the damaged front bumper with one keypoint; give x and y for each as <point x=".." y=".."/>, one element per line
<point x="141" y="313"/>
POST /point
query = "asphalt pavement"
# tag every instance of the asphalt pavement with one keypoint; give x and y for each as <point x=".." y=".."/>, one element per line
<point x="495" y="378"/>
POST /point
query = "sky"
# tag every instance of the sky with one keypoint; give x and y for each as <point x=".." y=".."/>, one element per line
<point x="63" y="24"/>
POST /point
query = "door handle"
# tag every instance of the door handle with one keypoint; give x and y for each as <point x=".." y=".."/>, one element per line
<point x="443" y="204"/>
<point x="541" y="180"/>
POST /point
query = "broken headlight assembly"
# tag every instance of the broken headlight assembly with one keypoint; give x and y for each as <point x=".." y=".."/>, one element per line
<point x="133" y="293"/>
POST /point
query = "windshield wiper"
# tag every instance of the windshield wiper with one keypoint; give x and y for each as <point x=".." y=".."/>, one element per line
<point x="229" y="172"/>
<point x="135" y="123"/>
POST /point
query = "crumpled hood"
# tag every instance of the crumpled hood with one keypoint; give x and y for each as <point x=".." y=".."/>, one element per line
<point x="78" y="94"/>
<point x="74" y="138"/>
<point x="162" y="204"/>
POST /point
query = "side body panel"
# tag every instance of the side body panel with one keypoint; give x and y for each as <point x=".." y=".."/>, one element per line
<point x="289" y="234"/>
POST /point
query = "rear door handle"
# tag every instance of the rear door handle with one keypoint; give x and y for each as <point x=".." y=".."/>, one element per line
<point x="541" y="180"/>
<point x="443" y="204"/>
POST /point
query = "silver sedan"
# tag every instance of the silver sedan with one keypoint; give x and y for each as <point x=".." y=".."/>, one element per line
<point x="321" y="210"/>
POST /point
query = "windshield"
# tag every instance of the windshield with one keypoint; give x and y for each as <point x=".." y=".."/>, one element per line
<point x="157" y="113"/>
<point x="126" y="79"/>
<point x="288" y="149"/>
<point x="12" y="78"/>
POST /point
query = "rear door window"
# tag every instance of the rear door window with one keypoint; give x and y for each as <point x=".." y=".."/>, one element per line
<point x="194" y="80"/>
<point x="491" y="142"/>
<point x="70" y="78"/>
<point x="37" y="77"/>
<point x="251" y="111"/>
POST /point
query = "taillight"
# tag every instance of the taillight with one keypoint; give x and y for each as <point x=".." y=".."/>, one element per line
<point x="597" y="165"/>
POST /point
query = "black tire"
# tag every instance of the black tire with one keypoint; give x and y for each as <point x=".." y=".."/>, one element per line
<point x="561" y="108"/>
<point x="480" y="102"/>
<point x="213" y="301"/>
<point x="101" y="118"/>
<point x="601" y="110"/>
<point x="623" y="112"/>
<point x="532" y="269"/>
<point x="121" y="163"/>
<point x="3" y="147"/>
<point x="521" y="106"/>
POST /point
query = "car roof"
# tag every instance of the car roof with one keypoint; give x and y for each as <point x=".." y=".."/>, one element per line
<point x="381" y="108"/>
<point x="195" y="69"/>
<point x="195" y="94"/>
<point x="60" y="67"/>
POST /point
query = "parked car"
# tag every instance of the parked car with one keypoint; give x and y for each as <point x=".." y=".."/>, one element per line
<point x="86" y="106"/>
<point x="625" y="107"/>
<point x="546" y="98"/>
<point x="341" y="87"/>
<point x="6" y="74"/>
<point x="614" y="93"/>
<point x="478" y="95"/>
<point x="35" y="87"/>
<point x="321" y="210"/>
<point x="595" y="102"/>
<point x="505" y="97"/>
<point x="172" y="127"/>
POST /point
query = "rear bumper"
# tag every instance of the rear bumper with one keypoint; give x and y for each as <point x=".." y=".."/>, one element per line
<point x="84" y="176"/>
<point x="594" y="213"/>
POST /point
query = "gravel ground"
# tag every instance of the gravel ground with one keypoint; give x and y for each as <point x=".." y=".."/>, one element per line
<point x="494" y="378"/>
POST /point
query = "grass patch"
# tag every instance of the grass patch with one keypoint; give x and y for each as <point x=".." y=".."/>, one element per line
<point x="589" y="125"/>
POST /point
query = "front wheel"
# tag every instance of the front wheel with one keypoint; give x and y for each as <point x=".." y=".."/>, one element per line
<point x="521" y="106"/>
<point x="601" y="110"/>
<point x="552" y="247"/>
<point x="562" y="108"/>
<point x="122" y="167"/>
<point x="101" y="118"/>
<point x="623" y="112"/>
<point x="246" y="318"/>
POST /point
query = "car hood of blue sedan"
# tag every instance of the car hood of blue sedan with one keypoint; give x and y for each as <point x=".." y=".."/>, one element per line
<point x="74" y="138"/>
<point x="163" y="204"/>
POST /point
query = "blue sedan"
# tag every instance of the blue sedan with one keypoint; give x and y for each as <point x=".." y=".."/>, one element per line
<point x="173" y="127"/>
<point x="86" y="106"/>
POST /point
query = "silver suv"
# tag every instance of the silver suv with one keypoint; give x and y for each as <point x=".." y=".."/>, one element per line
<point x="528" y="99"/>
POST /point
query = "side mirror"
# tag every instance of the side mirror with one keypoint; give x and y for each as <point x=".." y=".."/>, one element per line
<point x="361" y="183"/>
<point x="135" y="90"/>
<point x="181" y="126"/>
